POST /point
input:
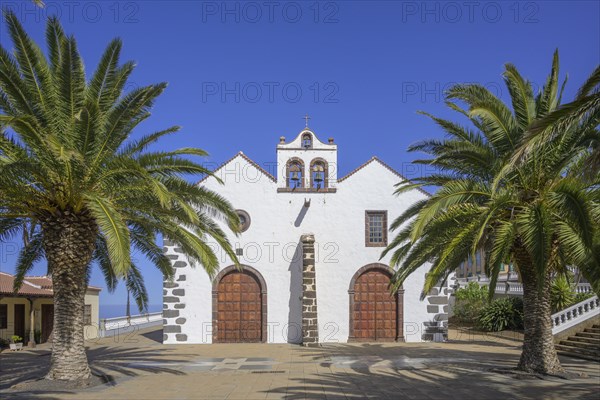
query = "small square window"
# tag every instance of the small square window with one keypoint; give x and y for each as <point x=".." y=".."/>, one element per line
<point x="376" y="228"/>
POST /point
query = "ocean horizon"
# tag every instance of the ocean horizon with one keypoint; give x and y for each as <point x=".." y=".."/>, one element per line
<point x="120" y="310"/>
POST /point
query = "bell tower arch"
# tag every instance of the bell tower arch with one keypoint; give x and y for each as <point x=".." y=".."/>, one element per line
<point x="306" y="164"/>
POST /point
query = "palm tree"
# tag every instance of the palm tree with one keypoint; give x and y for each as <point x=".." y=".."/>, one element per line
<point x="33" y="251"/>
<point x="70" y="170"/>
<point x="580" y="117"/>
<point x="536" y="214"/>
<point x="575" y="122"/>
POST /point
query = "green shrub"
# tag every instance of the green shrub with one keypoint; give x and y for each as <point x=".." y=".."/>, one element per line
<point x="561" y="294"/>
<point x="16" y="339"/>
<point x="579" y="297"/>
<point x="3" y="343"/>
<point x="470" y="300"/>
<point x="501" y="314"/>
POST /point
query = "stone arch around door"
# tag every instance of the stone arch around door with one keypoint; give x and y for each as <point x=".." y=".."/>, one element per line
<point x="247" y="276"/>
<point x="376" y="271"/>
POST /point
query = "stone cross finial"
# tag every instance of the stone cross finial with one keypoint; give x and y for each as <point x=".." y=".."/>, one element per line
<point x="306" y="118"/>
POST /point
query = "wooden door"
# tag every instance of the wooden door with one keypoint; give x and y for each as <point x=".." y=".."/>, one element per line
<point x="47" y="321"/>
<point x="239" y="316"/>
<point x="375" y="310"/>
<point x="20" y="321"/>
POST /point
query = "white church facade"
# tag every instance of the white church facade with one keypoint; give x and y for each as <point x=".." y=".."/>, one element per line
<point x="310" y="248"/>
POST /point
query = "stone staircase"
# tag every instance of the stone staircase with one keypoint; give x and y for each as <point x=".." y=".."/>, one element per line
<point x="585" y="344"/>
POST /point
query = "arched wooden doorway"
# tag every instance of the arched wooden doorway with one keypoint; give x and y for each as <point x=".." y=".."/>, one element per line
<point x="375" y="314"/>
<point x="239" y="306"/>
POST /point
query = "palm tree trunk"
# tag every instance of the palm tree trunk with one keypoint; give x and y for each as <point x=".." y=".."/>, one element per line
<point x="69" y="244"/>
<point x="539" y="354"/>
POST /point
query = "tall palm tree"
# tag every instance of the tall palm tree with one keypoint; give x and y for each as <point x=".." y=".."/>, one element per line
<point x="69" y="167"/>
<point x="579" y="118"/>
<point x="33" y="251"/>
<point x="576" y="122"/>
<point x="536" y="214"/>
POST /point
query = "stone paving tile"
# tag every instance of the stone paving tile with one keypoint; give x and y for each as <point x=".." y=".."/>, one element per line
<point x="458" y="369"/>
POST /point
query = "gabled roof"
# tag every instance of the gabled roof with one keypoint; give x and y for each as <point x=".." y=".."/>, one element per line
<point x="245" y="157"/>
<point x="386" y="166"/>
<point x="36" y="286"/>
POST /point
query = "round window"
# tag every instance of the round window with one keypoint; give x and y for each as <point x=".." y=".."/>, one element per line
<point x="244" y="220"/>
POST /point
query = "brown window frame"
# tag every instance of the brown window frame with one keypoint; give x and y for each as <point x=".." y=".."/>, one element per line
<point x="3" y="316"/>
<point x="368" y="242"/>
<point x="87" y="314"/>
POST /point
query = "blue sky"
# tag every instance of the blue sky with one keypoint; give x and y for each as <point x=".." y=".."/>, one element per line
<point x="242" y="74"/>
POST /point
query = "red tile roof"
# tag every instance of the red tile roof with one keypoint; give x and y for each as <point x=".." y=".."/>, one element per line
<point x="27" y="289"/>
<point x="43" y="281"/>
<point x="39" y="286"/>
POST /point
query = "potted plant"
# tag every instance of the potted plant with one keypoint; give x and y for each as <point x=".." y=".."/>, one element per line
<point x="17" y="342"/>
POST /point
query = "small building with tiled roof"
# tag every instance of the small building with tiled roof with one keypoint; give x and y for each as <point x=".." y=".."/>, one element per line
<point x="310" y="246"/>
<point x="33" y="306"/>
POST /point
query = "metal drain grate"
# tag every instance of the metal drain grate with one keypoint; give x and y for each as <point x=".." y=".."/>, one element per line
<point x="268" y="372"/>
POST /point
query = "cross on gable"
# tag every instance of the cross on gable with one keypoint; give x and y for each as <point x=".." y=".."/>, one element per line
<point x="306" y="118"/>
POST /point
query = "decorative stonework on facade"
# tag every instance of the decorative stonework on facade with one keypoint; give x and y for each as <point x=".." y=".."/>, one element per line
<point x="172" y="295"/>
<point x="437" y="307"/>
<point x="276" y="299"/>
<point x="310" y="326"/>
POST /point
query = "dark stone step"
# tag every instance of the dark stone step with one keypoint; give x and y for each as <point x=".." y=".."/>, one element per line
<point x="578" y="350"/>
<point x="581" y="345"/>
<point x="589" y="334"/>
<point x="578" y="338"/>
<point x="576" y="355"/>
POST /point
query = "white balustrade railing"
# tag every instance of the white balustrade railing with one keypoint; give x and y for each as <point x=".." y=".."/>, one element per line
<point x="500" y="287"/>
<point x="583" y="288"/>
<point x="108" y="324"/>
<point x="562" y="320"/>
<point x="513" y="287"/>
<point x="575" y="314"/>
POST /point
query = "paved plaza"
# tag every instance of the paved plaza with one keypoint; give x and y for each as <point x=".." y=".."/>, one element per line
<point x="140" y="367"/>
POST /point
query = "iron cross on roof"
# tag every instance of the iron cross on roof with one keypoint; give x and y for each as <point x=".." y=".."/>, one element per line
<point x="306" y="118"/>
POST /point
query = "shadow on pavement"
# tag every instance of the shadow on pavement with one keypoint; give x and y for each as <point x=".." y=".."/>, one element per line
<point x="109" y="363"/>
<point x="156" y="336"/>
<point x="355" y="371"/>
